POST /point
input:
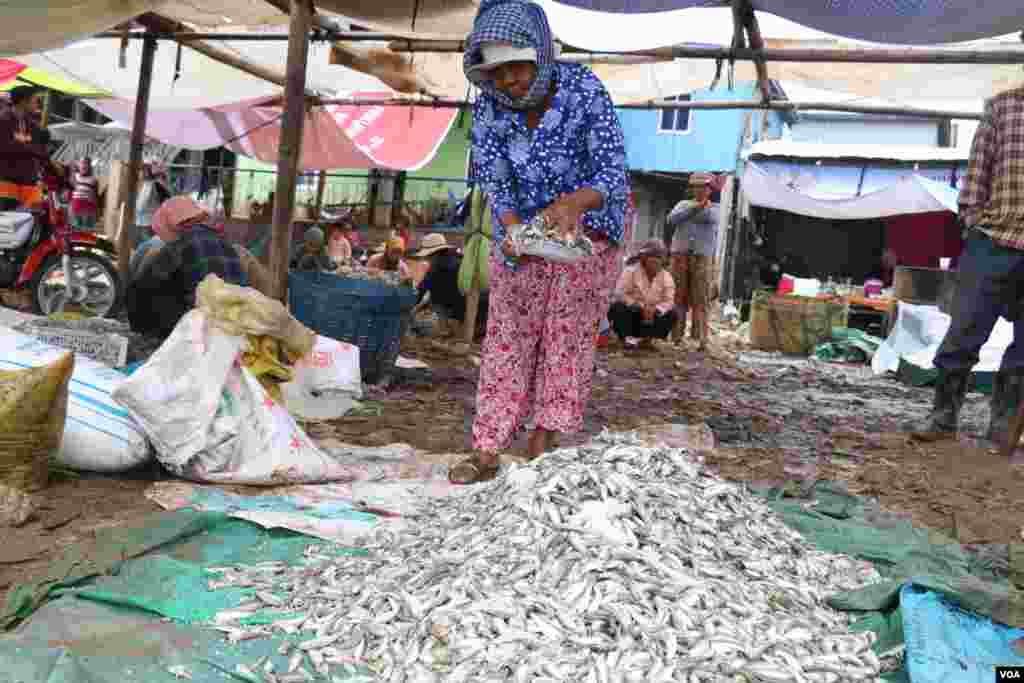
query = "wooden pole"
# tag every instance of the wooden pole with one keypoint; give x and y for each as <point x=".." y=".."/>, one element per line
<point x="912" y="55"/>
<point x="160" y="25"/>
<point x="321" y="185"/>
<point x="757" y="43"/>
<point x="773" y="105"/>
<point x="44" y="119"/>
<point x="126" y="238"/>
<point x="290" y="146"/>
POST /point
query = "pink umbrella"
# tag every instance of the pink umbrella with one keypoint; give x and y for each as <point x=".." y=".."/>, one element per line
<point x="335" y="136"/>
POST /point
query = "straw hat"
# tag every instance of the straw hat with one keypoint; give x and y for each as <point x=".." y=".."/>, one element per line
<point x="431" y="244"/>
<point x="395" y="243"/>
<point x="700" y="179"/>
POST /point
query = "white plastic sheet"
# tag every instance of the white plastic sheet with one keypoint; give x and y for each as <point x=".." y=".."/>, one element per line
<point x="916" y="336"/>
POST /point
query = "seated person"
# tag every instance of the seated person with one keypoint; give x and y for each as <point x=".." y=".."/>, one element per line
<point x="142" y="252"/>
<point x="339" y="243"/>
<point x="313" y="255"/>
<point x="645" y="305"/>
<point x="439" y="288"/>
<point x="885" y="270"/>
<point x="391" y="257"/>
<point x="164" y="289"/>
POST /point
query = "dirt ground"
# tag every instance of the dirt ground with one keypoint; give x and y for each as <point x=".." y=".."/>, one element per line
<point x="774" y="419"/>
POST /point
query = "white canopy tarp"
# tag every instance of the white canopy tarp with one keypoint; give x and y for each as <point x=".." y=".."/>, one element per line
<point x="909" y="195"/>
<point x="35" y="33"/>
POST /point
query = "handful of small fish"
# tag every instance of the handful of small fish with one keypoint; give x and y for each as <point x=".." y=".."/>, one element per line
<point x="611" y="562"/>
<point x="538" y="238"/>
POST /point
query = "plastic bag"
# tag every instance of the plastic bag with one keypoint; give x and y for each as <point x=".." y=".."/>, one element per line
<point x="33" y="409"/>
<point x="536" y="238"/>
<point x="99" y="436"/>
<point x="243" y="311"/>
<point x="211" y="420"/>
<point x="326" y="383"/>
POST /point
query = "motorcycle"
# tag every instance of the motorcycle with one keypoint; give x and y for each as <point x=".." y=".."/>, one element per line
<point x="63" y="268"/>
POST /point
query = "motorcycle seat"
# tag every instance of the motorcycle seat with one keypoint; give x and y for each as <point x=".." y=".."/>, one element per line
<point x="15" y="228"/>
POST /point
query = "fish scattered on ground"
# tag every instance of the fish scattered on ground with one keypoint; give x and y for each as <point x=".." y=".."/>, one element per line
<point x="611" y="562"/>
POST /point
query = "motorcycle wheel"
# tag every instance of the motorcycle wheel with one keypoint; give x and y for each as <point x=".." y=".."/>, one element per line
<point x="102" y="292"/>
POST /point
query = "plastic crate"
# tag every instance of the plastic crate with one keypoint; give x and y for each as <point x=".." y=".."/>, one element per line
<point x="370" y="314"/>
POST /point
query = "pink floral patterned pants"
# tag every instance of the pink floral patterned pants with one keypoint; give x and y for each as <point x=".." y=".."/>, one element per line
<point x="538" y="356"/>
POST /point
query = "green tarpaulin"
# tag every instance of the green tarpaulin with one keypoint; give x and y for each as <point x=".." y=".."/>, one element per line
<point x="134" y="608"/>
<point x="848" y="346"/>
<point x="839" y="522"/>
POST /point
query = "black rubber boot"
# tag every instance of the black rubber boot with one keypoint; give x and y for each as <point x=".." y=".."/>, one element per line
<point x="944" y="420"/>
<point x="1007" y="391"/>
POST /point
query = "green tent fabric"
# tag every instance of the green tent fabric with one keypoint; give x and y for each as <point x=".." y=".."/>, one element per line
<point x="53" y="82"/>
<point x="839" y="522"/>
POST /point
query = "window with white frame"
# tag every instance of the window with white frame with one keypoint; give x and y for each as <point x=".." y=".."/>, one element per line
<point x="675" y="120"/>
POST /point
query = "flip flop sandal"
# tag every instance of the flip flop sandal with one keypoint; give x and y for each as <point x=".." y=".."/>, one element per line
<point x="472" y="471"/>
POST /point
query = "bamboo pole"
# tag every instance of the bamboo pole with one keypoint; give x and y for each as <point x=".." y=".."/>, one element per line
<point x="290" y="145"/>
<point x="128" y="234"/>
<point x="912" y="55"/>
<point x="756" y="43"/>
<point x="162" y="26"/>
<point x="401" y="43"/>
<point x="321" y="185"/>
<point x="773" y="105"/>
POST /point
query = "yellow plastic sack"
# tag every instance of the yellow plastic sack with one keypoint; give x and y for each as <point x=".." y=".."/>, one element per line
<point x="243" y="311"/>
<point x="270" y="363"/>
<point x="33" y="408"/>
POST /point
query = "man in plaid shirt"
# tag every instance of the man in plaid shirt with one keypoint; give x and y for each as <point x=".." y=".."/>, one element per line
<point x="991" y="273"/>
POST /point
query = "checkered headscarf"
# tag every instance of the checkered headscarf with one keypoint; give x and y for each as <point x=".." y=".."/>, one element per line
<point x="523" y="24"/>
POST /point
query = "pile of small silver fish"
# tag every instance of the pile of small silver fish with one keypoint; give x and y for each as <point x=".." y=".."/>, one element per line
<point x="611" y="562"/>
<point x="539" y="238"/>
<point x="388" y="277"/>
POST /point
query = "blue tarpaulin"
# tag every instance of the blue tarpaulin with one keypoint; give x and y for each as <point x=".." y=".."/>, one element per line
<point x="946" y="644"/>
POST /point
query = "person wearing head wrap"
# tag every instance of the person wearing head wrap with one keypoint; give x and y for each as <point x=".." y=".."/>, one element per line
<point x="545" y="140"/>
<point x="645" y="298"/>
<point x="164" y="286"/>
<point x="23" y="148"/>
<point x="314" y="255"/>
<point x="391" y="258"/>
<point x="693" y="256"/>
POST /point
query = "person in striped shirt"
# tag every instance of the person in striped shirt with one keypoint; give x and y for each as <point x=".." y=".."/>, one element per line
<point x="84" y="196"/>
